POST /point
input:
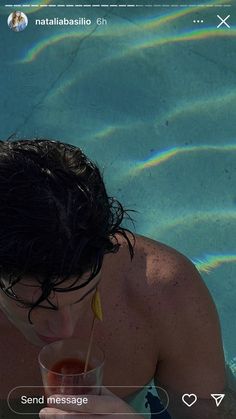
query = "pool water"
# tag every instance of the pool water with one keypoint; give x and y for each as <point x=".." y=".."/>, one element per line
<point x="150" y="96"/>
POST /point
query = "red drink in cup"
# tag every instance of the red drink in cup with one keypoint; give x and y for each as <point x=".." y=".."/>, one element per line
<point x="62" y="366"/>
<point x="65" y="376"/>
<point x="69" y="366"/>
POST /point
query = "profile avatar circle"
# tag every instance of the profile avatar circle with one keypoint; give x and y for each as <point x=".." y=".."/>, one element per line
<point x="17" y="21"/>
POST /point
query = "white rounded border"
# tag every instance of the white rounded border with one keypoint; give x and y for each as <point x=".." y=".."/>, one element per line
<point x="135" y="413"/>
<point x="10" y="18"/>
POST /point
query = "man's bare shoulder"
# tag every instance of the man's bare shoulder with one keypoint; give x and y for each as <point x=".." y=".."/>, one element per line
<point x="170" y="279"/>
<point x="160" y="276"/>
<point x="162" y="262"/>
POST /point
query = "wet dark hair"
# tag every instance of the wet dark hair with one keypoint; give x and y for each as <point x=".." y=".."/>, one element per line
<point x="56" y="219"/>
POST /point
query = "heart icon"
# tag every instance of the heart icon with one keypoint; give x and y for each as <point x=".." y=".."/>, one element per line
<point x="189" y="399"/>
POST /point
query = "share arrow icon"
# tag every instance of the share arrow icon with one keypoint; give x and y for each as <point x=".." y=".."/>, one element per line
<point x="218" y="398"/>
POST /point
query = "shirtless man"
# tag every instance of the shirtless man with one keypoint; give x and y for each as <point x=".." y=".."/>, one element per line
<point x="60" y="238"/>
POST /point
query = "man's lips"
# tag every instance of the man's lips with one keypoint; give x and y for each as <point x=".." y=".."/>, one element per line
<point x="48" y="339"/>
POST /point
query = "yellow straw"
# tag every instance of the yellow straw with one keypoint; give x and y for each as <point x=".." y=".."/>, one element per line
<point x="97" y="310"/>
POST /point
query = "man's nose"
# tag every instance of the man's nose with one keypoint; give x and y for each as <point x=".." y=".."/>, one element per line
<point x="61" y="322"/>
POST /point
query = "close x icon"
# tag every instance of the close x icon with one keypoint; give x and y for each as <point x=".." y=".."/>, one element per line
<point x="224" y="21"/>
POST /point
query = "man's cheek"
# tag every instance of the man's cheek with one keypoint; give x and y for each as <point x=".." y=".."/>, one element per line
<point x="17" y="315"/>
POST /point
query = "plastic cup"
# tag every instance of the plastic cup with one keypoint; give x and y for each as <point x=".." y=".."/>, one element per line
<point x="62" y="368"/>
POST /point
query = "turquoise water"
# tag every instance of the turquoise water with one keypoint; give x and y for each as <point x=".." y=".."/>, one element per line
<point x="151" y="98"/>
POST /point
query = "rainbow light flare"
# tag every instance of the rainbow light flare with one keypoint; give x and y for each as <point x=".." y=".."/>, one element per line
<point x="210" y="262"/>
<point x="33" y="53"/>
<point x="193" y="35"/>
<point x="162" y="156"/>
